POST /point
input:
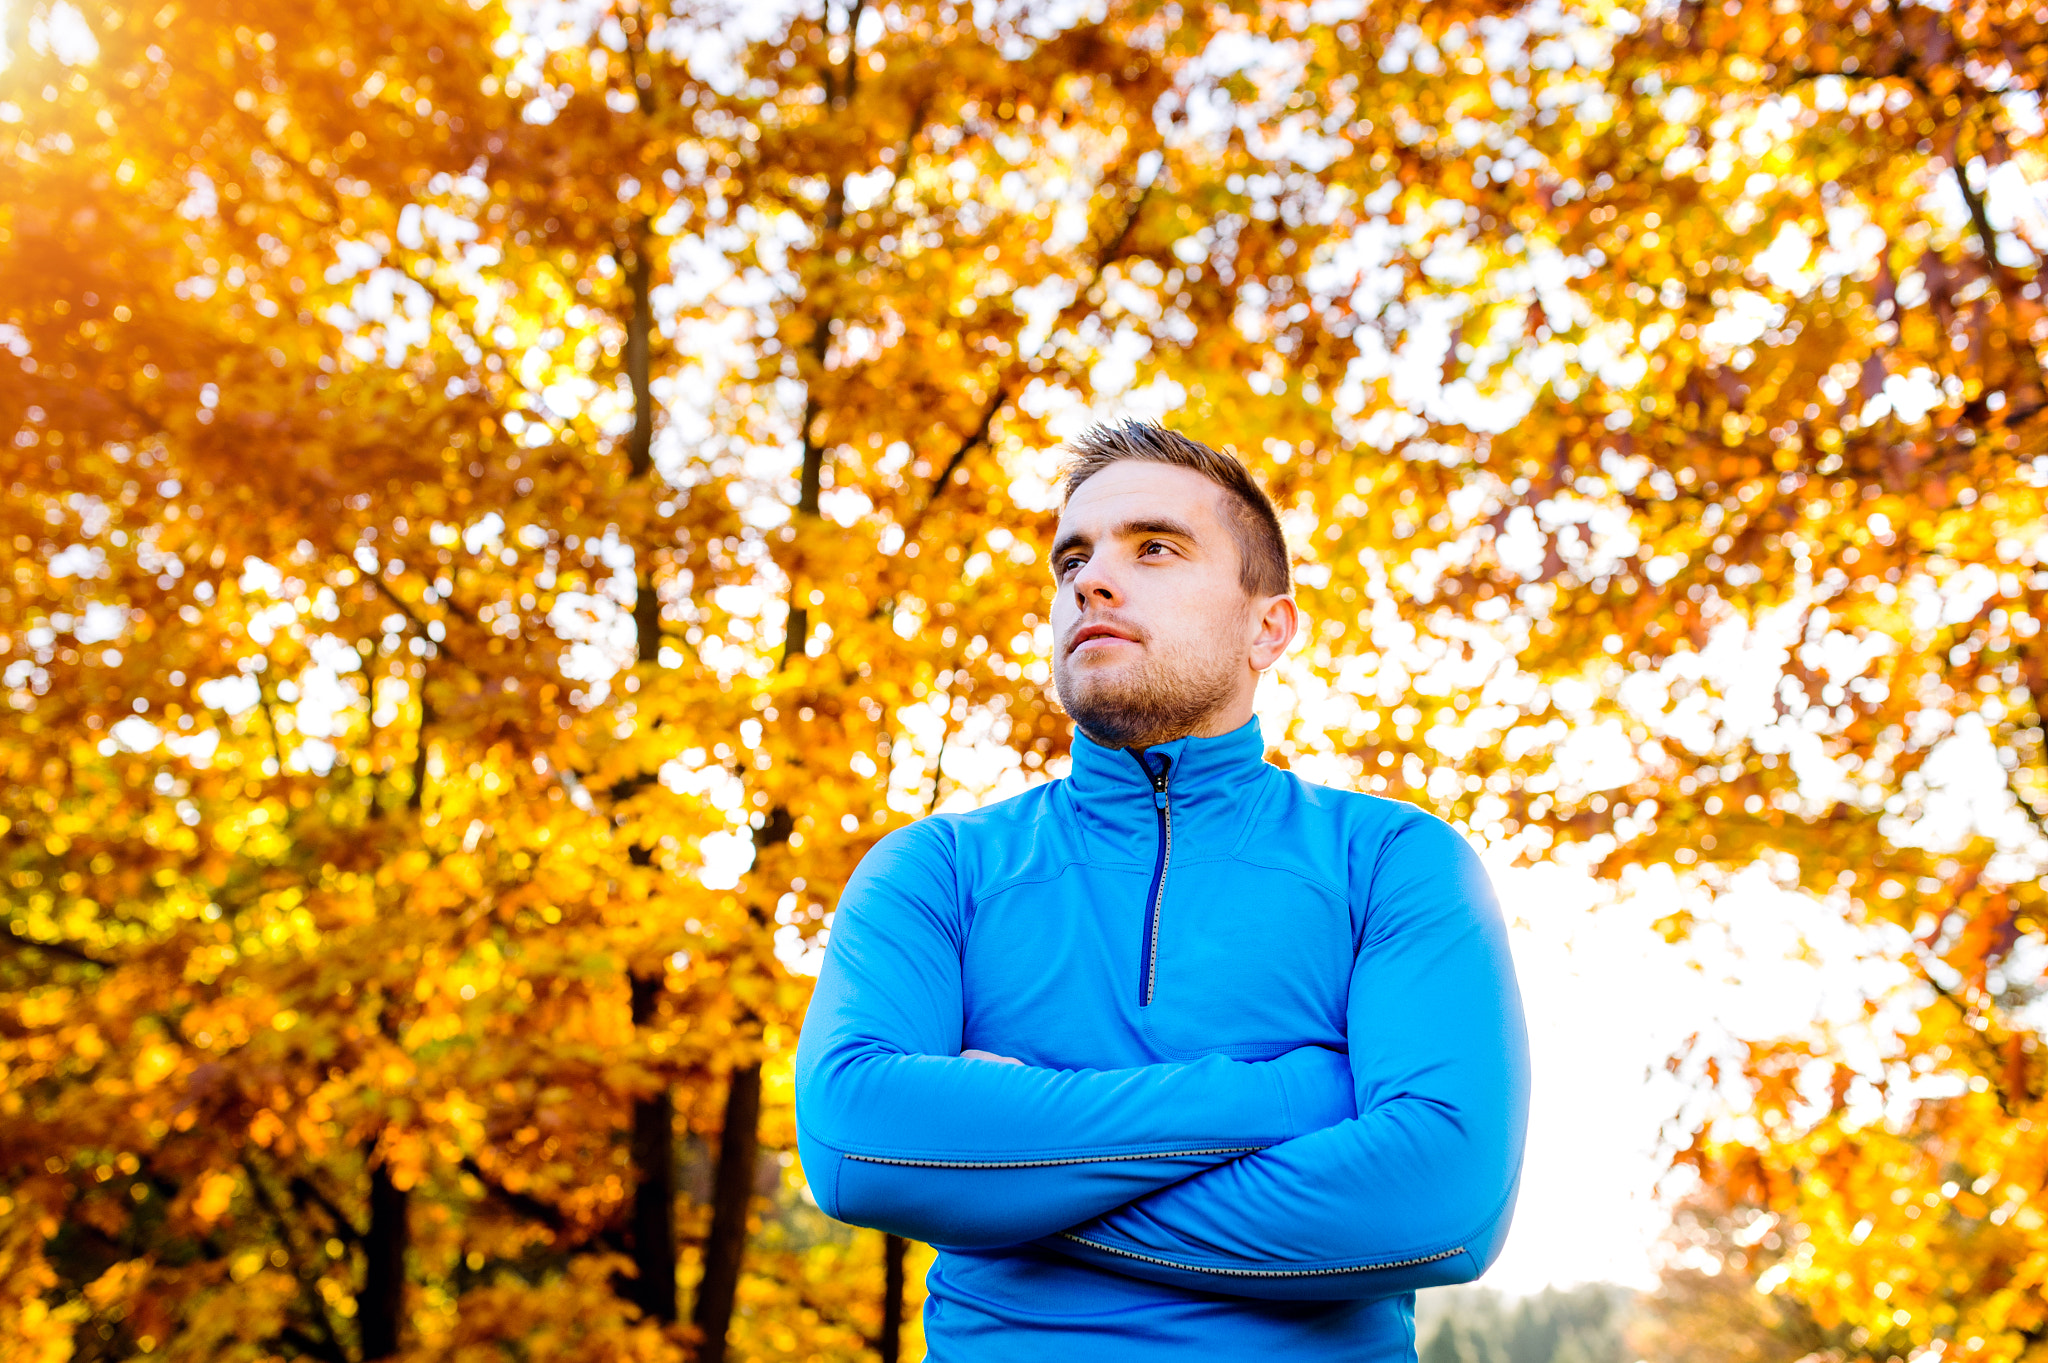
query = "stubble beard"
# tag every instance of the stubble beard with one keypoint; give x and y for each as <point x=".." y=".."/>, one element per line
<point x="1167" y="696"/>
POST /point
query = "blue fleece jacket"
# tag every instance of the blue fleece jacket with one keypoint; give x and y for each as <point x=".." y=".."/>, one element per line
<point x="1275" y="1072"/>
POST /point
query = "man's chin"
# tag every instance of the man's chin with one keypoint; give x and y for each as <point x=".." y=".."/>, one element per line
<point x="1109" y="708"/>
<point x="1104" y="684"/>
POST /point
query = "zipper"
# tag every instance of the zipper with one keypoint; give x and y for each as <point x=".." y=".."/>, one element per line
<point x="1046" y="1163"/>
<point x="1261" y="1272"/>
<point x="1148" y="975"/>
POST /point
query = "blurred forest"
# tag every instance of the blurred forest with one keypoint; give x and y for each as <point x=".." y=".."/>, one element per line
<point x="1477" y="1325"/>
<point x="1693" y="1317"/>
<point x="506" y="500"/>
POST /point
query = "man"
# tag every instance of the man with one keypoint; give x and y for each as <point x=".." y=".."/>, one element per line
<point x="1178" y="1057"/>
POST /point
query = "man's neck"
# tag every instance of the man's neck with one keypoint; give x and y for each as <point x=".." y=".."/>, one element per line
<point x="1218" y="722"/>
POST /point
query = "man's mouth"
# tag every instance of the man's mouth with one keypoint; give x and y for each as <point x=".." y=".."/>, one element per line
<point x="1090" y="633"/>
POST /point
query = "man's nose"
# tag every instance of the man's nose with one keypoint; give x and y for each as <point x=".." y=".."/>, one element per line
<point x="1094" y="586"/>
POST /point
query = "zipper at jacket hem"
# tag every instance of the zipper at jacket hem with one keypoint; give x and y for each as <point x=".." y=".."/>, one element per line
<point x="1045" y="1163"/>
<point x="1261" y="1272"/>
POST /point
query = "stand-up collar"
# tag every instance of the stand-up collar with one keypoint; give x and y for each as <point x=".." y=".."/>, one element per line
<point x="1210" y="782"/>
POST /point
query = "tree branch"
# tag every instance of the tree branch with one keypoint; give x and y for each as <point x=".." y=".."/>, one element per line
<point x="20" y="941"/>
<point x="304" y="1191"/>
<point x="977" y="438"/>
<point x="2035" y="814"/>
<point x="376" y="579"/>
<point x="526" y="1204"/>
<point x="305" y="1343"/>
<point x="840" y="96"/>
<point x="939" y="762"/>
<point x="1980" y="223"/>
<point x="1110" y="250"/>
<point x="270" y="720"/>
<point x="416" y="801"/>
<point x="316" y="1307"/>
<point x="1987" y="241"/>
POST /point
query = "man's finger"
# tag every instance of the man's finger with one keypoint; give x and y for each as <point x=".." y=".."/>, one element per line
<point x="990" y="1055"/>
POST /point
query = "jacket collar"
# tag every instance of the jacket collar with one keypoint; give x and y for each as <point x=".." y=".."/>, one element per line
<point x="1210" y="782"/>
<point x="1198" y="766"/>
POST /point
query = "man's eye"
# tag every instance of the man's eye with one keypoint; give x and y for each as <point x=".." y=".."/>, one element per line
<point x="1160" y="545"/>
<point x="1069" y="563"/>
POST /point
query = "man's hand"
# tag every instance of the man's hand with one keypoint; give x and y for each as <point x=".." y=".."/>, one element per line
<point x="989" y="1055"/>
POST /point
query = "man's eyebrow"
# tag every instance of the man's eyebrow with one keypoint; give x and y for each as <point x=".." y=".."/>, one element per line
<point x="1133" y="529"/>
<point x="1128" y="530"/>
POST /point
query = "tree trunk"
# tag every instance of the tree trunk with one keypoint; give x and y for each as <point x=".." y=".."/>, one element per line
<point x="654" y="1181"/>
<point x="639" y="267"/>
<point x="382" y="1304"/>
<point x="654" y="1117"/>
<point x="640" y="441"/>
<point x="890" y="1345"/>
<point x="731" y="1195"/>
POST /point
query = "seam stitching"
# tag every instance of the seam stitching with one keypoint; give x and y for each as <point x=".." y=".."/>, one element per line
<point x="1252" y="857"/>
<point x="1262" y="1272"/>
<point x="1045" y="1163"/>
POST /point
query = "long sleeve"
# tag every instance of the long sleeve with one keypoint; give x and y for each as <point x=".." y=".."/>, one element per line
<point x="898" y="1132"/>
<point x="1418" y="1188"/>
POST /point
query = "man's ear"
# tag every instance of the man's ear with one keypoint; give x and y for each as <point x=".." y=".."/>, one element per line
<point x="1277" y="621"/>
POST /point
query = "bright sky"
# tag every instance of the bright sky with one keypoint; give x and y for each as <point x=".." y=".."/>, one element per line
<point x="1608" y="1000"/>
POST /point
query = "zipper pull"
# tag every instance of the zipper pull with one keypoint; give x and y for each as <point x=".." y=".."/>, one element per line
<point x="1159" y="780"/>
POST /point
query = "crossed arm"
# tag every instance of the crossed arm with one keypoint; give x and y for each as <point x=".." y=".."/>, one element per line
<point x="1308" y="1176"/>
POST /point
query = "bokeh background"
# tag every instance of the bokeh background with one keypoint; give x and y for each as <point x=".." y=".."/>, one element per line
<point x="505" y="501"/>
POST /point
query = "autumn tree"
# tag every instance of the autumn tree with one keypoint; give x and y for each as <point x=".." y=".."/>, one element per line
<point x="1707" y="1307"/>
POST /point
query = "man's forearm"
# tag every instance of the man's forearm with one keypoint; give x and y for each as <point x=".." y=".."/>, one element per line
<point x="1396" y="1200"/>
<point x="963" y="1152"/>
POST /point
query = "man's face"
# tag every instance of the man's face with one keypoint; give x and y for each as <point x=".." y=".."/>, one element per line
<point x="1153" y="632"/>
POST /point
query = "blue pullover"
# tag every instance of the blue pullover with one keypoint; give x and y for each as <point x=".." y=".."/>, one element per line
<point x="1275" y="1073"/>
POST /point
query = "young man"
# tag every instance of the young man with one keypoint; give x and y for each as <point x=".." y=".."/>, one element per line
<point x="1178" y="1057"/>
